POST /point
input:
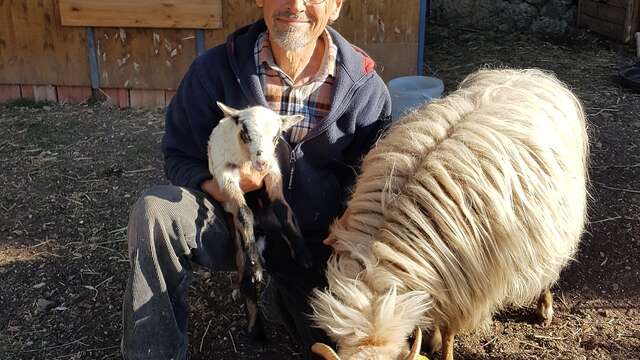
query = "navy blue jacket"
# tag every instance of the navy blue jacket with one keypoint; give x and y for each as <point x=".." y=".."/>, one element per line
<point x="320" y="171"/>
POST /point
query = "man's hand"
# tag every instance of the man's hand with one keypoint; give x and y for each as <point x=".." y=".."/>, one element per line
<point x="250" y="180"/>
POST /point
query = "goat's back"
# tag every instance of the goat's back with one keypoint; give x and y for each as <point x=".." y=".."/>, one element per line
<point x="483" y="194"/>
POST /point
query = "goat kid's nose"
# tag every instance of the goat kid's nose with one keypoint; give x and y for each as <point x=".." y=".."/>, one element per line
<point x="259" y="153"/>
<point x="260" y="165"/>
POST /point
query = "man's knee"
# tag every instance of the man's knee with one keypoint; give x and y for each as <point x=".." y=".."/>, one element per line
<point x="154" y="207"/>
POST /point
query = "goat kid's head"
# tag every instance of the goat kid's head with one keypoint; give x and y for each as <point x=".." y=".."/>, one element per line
<point x="259" y="130"/>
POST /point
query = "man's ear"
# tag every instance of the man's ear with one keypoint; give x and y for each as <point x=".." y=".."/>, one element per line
<point x="336" y="10"/>
<point x="289" y="120"/>
<point x="227" y="110"/>
<point x="259" y="3"/>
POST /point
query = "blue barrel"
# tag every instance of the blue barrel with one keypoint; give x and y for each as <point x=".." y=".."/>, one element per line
<point x="409" y="92"/>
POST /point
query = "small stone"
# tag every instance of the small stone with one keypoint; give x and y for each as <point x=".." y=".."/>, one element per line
<point x="47" y="108"/>
<point x="38" y="286"/>
<point x="43" y="305"/>
<point x="615" y="287"/>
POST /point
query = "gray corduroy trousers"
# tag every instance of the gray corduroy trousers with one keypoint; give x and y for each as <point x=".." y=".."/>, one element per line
<point x="169" y="227"/>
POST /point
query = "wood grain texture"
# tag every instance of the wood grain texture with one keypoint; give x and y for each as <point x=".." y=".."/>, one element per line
<point x="147" y="98"/>
<point x="616" y="19"/>
<point x="45" y="93"/>
<point x="174" y="14"/>
<point x="26" y="91"/>
<point x="117" y="97"/>
<point x="73" y="94"/>
<point x="143" y="58"/>
<point x="35" y="49"/>
<point x="9" y="92"/>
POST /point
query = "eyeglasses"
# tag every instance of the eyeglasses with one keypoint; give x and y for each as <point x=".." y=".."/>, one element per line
<point x="313" y="2"/>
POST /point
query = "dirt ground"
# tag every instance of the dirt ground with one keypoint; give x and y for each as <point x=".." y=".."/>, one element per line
<point x="71" y="173"/>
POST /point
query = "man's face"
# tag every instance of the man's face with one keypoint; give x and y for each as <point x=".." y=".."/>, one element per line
<point x="292" y="24"/>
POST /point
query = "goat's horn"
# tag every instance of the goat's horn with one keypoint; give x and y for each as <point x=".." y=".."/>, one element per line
<point x="325" y="351"/>
<point x="417" y="344"/>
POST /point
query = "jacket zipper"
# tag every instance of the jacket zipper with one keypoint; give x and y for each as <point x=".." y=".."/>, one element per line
<point x="292" y="168"/>
<point x="327" y="123"/>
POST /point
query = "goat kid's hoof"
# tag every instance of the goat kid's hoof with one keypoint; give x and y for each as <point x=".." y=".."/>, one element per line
<point x="257" y="277"/>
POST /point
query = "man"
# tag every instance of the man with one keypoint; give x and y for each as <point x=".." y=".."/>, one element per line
<point x="293" y="63"/>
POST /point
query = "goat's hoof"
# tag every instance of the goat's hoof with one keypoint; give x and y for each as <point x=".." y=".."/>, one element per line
<point x="544" y="309"/>
<point x="545" y="317"/>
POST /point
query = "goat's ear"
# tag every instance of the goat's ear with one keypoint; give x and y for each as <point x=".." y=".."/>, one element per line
<point x="227" y="110"/>
<point x="290" y="120"/>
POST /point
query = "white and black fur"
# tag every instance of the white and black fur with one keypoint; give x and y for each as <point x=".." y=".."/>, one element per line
<point x="247" y="139"/>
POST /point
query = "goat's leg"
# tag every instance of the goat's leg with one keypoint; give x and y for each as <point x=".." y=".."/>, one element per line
<point x="544" y="309"/>
<point x="292" y="234"/>
<point x="448" y="337"/>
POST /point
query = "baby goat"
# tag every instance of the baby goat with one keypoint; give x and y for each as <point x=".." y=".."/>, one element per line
<point x="246" y="139"/>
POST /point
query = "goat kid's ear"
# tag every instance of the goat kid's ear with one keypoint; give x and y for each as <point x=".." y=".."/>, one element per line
<point x="290" y="120"/>
<point x="227" y="110"/>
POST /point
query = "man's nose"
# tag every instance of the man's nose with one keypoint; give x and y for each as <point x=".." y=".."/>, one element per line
<point x="296" y="6"/>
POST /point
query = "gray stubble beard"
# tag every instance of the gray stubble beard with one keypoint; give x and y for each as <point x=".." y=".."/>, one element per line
<point x="290" y="39"/>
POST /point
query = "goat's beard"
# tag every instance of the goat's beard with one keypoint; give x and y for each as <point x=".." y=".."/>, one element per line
<point x="290" y="38"/>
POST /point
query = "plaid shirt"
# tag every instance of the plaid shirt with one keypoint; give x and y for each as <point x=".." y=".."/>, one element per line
<point x="311" y="99"/>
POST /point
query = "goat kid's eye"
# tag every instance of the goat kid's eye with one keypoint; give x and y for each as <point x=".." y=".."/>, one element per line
<point x="244" y="137"/>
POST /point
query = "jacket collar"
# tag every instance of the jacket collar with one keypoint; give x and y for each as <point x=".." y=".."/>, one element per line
<point x="352" y="64"/>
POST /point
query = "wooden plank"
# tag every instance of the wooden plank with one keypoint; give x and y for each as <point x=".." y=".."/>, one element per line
<point x="9" y="92"/>
<point x="604" y="11"/>
<point x="611" y="30"/>
<point x="117" y="97"/>
<point x="168" y="95"/>
<point x="617" y="3"/>
<point x="175" y="14"/>
<point x="35" y="49"/>
<point x="26" y="91"/>
<point x="147" y="98"/>
<point x="383" y="21"/>
<point x="236" y="13"/>
<point x="44" y="93"/>
<point x="143" y="58"/>
<point x="73" y="94"/>
<point x="399" y="59"/>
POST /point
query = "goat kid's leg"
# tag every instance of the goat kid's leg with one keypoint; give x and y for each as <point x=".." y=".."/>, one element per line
<point x="255" y="326"/>
<point x="544" y="309"/>
<point x="448" y="338"/>
<point x="243" y="222"/>
<point x="247" y="289"/>
<point x="293" y="236"/>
